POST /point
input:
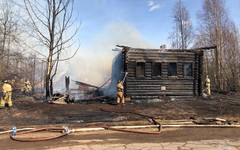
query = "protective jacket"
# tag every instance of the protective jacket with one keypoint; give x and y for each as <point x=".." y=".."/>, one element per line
<point x="7" y="95"/>
<point x="119" y="87"/>
<point x="27" y="82"/>
<point x="27" y="87"/>
<point x="120" y="97"/>
<point x="7" y="87"/>
<point x="207" y="81"/>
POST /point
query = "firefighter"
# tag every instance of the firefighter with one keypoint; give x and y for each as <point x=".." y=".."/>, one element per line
<point x="120" y="96"/>
<point x="7" y="94"/>
<point x="27" y="87"/>
<point x="207" y="85"/>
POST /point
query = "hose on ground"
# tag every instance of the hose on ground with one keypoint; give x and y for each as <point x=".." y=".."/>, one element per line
<point x="9" y="131"/>
<point x="71" y="130"/>
<point x="38" y="139"/>
<point x="66" y="133"/>
<point x="132" y="131"/>
<point x="134" y="113"/>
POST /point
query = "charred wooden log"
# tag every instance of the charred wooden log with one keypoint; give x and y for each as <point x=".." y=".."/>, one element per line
<point x="61" y="98"/>
<point x="142" y="82"/>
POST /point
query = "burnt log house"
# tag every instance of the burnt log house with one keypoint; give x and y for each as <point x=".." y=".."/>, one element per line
<point x="153" y="73"/>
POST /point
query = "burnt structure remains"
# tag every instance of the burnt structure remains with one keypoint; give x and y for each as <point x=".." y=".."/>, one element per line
<point x="153" y="73"/>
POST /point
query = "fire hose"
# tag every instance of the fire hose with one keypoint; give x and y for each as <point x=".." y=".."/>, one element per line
<point x="66" y="131"/>
<point x="41" y="139"/>
<point x="130" y="112"/>
<point x="113" y="128"/>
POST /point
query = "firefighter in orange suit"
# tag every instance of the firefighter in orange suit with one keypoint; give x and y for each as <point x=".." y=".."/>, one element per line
<point x="120" y="96"/>
<point x="207" y="84"/>
<point x="7" y="94"/>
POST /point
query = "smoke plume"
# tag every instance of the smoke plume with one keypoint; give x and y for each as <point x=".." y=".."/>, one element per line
<point x="93" y="63"/>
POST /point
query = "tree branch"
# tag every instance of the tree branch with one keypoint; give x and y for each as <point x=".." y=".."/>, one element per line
<point x="34" y="22"/>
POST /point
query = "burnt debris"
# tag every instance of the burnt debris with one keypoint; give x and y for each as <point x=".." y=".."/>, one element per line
<point x="61" y="98"/>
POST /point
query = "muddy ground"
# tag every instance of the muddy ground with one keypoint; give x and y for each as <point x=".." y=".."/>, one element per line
<point x="27" y="111"/>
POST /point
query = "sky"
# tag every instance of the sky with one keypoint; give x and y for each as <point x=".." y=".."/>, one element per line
<point x="134" y="23"/>
<point x="151" y="18"/>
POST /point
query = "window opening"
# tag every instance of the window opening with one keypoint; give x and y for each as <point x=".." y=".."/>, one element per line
<point x="140" y="69"/>
<point x="187" y="69"/>
<point x="157" y="69"/>
<point x="172" y="69"/>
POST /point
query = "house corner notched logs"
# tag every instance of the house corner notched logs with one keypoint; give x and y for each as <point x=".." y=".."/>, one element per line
<point x="153" y="73"/>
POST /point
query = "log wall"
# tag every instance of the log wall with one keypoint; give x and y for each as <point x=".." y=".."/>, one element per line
<point x="150" y="87"/>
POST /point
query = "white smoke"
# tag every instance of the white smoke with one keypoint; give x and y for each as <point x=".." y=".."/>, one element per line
<point x="93" y="64"/>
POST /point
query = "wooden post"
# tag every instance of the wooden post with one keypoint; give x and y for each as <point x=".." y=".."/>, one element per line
<point x="196" y="66"/>
<point x="67" y="82"/>
<point x="200" y="72"/>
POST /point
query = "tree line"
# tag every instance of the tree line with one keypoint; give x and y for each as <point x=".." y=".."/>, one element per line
<point x="34" y="37"/>
<point x="215" y="28"/>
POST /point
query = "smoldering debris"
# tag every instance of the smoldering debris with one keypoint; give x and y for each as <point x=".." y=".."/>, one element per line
<point x="61" y="98"/>
<point x="107" y="90"/>
<point x="213" y="121"/>
<point x="86" y="92"/>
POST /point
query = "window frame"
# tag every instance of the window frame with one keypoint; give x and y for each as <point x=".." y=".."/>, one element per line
<point x="175" y="69"/>
<point x="144" y="70"/>
<point x="188" y="76"/>
<point x="158" y="75"/>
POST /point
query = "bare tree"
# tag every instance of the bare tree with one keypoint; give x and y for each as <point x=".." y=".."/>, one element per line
<point x="231" y="58"/>
<point x="182" y="35"/>
<point x="8" y="30"/>
<point x="52" y="20"/>
<point x="214" y="28"/>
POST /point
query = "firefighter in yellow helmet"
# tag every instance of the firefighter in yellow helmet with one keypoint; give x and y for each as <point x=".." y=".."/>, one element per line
<point x="120" y="96"/>
<point x="207" y="85"/>
<point x="7" y="94"/>
<point x="27" y="87"/>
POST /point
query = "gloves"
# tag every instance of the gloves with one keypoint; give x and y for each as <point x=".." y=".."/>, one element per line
<point x="4" y="93"/>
